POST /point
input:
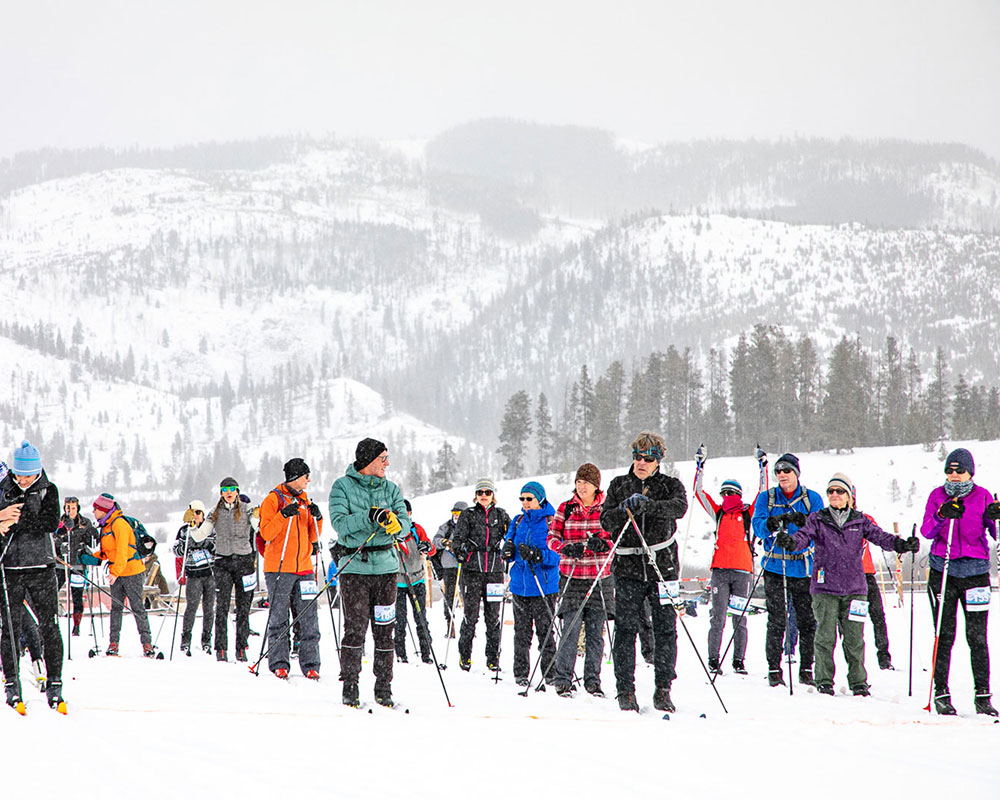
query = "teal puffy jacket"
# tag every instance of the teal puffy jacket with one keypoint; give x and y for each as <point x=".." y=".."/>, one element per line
<point x="351" y="498"/>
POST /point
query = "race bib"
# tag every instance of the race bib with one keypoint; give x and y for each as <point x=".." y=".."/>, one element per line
<point x="494" y="592"/>
<point x="737" y="604"/>
<point x="309" y="589"/>
<point x="385" y="615"/>
<point x="669" y="591"/>
<point x="250" y="582"/>
<point x="858" y="611"/>
<point x="977" y="598"/>
<point x="77" y="579"/>
<point x="200" y="558"/>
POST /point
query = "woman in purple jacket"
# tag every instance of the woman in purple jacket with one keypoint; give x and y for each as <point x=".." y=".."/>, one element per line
<point x="958" y="516"/>
<point x="838" y="587"/>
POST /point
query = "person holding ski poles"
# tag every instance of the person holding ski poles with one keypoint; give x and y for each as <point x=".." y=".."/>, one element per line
<point x="786" y="573"/>
<point x="290" y="525"/>
<point x="582" y="544"/>
<point x="369" y="515"/>
<point x="534" y="581"/>
<point x="412" y="551"/>
<point x="838" y="588"/>
<point x="655" y="501"/>
<point x="957" y="518"/>
<point x="118" y="546"/>
<point x="235" y="567"/>
<point x="195" y="544"/>
<point x="732" y="561"/>
<point x="449" y="564"/>
<point x="29" y="515"/>
<point x="75" y="535"/>
<point x="479" y="536"/>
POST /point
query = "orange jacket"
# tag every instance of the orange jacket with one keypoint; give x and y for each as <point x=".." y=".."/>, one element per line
<point x="288" y="540"/>
<point x="118" y="547"/>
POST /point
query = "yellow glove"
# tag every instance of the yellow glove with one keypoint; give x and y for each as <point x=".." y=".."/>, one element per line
<point x="393" y="526"/>
<point x="188" y="516"/>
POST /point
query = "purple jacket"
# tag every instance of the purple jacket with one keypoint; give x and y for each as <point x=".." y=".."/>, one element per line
<point x="838" y="551"/>
<point x="969" y="540"/>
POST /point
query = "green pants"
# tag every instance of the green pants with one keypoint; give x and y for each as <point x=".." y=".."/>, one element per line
<point x="831" y="611"/>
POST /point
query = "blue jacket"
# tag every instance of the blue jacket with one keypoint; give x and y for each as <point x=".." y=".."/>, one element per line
<point x="797" y="564"/>
<point x="532" y="527"/>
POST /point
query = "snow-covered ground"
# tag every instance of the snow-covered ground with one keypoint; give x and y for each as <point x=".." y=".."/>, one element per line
<point x="193" y="726"/>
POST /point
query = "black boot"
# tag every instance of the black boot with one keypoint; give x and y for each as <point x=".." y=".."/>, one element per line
<point x="824" y="688"/>
<point x="53" y="693"/>
<point x="984" y="706"/>
<point x="861" y="690"/>
<point x="350" y="695"/>
<point x="627" y="701"/>
<point x="884" y="661"/>
<point x="383" y="697"/>
<point x="775" y="678"/>
<point x="738" y="667"/>
<point x="713" y="666"/>
<point x="13" y="694"/>
<point x="661" y="699"/>
<point x="942" y="704"/>
<point x="806" y="676"/>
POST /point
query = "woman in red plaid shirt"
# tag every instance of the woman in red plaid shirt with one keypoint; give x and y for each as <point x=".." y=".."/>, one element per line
<point x="576" y="534"/>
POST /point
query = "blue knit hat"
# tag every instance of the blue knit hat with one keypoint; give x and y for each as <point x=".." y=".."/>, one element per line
<point x="960" y="458"/>
<point x="27" y="461"/>
<point x="536" y="489"/>
<point x="731" y="483"/>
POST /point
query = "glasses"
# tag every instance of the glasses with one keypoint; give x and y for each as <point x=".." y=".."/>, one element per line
<point x="483" y="492"/>
<point x="784" y="471"/>
<point x="835" y="490"/>
<point x="229" y="489"/>
<point x="527" y="498"/>
<point x="641" y="457"/>
<point x="728" y="492"/>
<point x="383" y="459"/>
<point x="199" y="512"/>
<point x="954" y="471"/>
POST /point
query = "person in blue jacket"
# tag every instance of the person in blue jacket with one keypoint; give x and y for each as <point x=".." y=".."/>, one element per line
<point x="785" y="507"/>
<point x="534" y="579"/>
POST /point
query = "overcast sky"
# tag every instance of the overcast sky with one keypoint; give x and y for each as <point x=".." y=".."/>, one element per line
<point x="126" y="72"/>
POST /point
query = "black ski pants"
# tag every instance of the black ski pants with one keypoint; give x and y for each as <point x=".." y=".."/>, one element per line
<point x="876" y="612"/>
<point x="534" y="616"/>
<point x="774" y="594"/>
<point x="975" y="629"/>
<point x="404" y="598"/>
<point x="39" y="584"/>
<point x="630" y="595"/>
<point x="473" y="593"/>
<point x="365" y="598"/>
<point x="450" y="579"/>
<point x="229" y="572"/>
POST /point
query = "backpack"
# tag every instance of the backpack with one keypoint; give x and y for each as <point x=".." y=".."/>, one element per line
<point x="145" y="545"/>
<point x="772" y="499"/>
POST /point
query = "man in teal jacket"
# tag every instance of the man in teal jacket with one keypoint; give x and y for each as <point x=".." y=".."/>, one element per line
<point x="368" y="514"/>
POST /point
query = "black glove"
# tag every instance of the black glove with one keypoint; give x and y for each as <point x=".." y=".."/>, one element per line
<point x="315" y="548"/>
<point x="635" y="503"/>
<point x="290" y="510"/>
<point x="901" y="545"/>
<point x="701" y="456"/>
<point x="953" y="509"/>
<point x="460" y="551"/>
<point x="573" y="550"/>
<point x="532" y="555"/>
<point x="785" y="541"/>
<point x="380" y="516"/>
<point x="761" y="457"/>
<point x="315" y="512"/>
<point x="508" y="550"/>
<point x="774" y="523"/>
<point x="796" y="518"/>
<point x="595" y="544"/>
<point x="245" y="498"/>
<point x="423" y="547"/>
<point x="992" y="511"/>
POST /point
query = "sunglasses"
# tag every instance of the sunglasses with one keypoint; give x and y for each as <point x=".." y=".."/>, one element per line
<point x="483" y="492"/>
<point x="728" y="492"/>
<point x="229" y="489"/>
<point x="199" y="512"/>
<point x="641" y="457"/>
<point x="835" y="490"/>
<point x="527" y="498"/>
<point x="784" y="471"/>
<point x="954" y="470"/>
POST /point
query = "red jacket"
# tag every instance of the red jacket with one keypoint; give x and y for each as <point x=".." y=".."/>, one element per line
<point x="732" y="551"/>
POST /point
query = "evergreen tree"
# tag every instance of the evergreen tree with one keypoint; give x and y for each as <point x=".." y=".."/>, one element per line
<point x="544" y="437"/>
<point x="608" y="396"/>
<point x="515" y="428"/>
<point x="936" y="397"/>
<point x="414" y="479"/>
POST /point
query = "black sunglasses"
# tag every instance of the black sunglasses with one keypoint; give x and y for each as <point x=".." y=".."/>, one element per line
<point x="647" y="459"/>
<point x="728" y="492"/>
<point x="527" y="499"/>
<point x="954" y="470"/>
<point x="836" y="490"/>
<point x="783" y="470"/>
<point x="484" y="492"/>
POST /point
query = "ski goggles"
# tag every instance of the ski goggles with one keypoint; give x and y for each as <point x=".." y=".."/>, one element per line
<point x="229" y="488"/>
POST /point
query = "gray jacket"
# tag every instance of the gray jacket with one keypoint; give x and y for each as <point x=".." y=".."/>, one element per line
<point x="445" y="532"/>
<point x="232" y="537"/>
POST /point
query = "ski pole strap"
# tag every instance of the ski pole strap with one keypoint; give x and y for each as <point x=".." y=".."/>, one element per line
<point x="640" y="551"/>
<point x="794" y="556"/>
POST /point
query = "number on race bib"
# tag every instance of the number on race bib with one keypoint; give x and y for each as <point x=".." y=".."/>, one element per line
<point x="669" y="591"/>
<point x="977" y="598"/>
<point x="858" y="611"/>
<point x="200" y="558"/>
<point x="737" y="604"/>
<point x="494" y="592"/>
<point x="76" y="579"/>
<point x="250" y="582"/>
<point x="385" y="615"/>
<point x="309" y="589"/>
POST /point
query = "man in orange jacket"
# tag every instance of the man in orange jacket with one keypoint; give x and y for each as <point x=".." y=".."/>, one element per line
<point x="290" y="526"/>
<point x="125" y="573"/>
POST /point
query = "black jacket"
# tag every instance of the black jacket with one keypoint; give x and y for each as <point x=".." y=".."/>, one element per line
<point x="658" y="524"/>
<point x="74" y="537"/>
<point x="481" y="534"/>
<point x="30" y="542"/>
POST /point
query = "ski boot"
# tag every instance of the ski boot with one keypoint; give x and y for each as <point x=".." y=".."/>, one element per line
<point x="207" y="648"/>
<point x="943" y="706"/>
<point x="738" y="667"/>
<point x="350" y="696"/>
<point x="383" y="697"/>
<point x="661" y="699"/>
<point x="492" y="666"/>
<point x="521" y="680"/>
<point x="984" y="706"/>
<point x="713" y="666"/>
<point x="464" y="664"/>
<point x="14" y="699"/>
<point x="401" y="658"/>
<point x="54" y="695"/>
<point x="112" y="649"/>
<point x="427" y="658"/>
<point x="220" y="655"/>
<point x="627" y="701"/>
<point x="186" y="648"/>
<point x="565" y="690"/>
<point x="861" y="690"/>
<point x="281" y="674"/>
<point x="149" y="651"/>
<point x="806" y="676"/>
<point x="592" y="687"/>
<point x="775" y="678"/>
<point x="312" y="674"/>
<point x="884" y="661"/>
<point x="825" y="688"/>
<point x="241" y="654"/>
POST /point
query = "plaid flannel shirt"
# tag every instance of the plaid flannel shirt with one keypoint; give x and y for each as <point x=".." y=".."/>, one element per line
<point x="578" y="526"/>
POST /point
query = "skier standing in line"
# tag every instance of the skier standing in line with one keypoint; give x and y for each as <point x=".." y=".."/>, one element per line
<point x="195" y="543"/>
<point x="76" y="534"/>
<point x="449" y="564"/>
<point x="235" y="567"/>
<point x="412" y="551"/>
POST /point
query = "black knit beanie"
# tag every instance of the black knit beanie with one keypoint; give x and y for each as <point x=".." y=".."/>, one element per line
<point x="367" y="451"/>
<point x="295" y="468"/>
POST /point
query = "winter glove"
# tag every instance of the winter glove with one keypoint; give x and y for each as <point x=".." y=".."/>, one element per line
<point x="379" y="516"/>
<point x="953" y="509"/>
<point x="423" y="547"/>
<point x="245" y="498"/>
<point x="761" y="457"/>
<point x="290" y="510"/>
<point x="393" y="526"/>
<point x="785" y="541"/>
<point x="573" y="550"/>
<point x="188" y="517"/>
<point x="636" y="503"/>
<point x="796" y="518"/>
<point x="89" y="560"/>
<point x="992" y="511"/>
<point x="315" y="512"/>
<point x="315" y="548"/>
<point x="595" y="544"/>
<point x="774" y="523"/>
<point x="532" y="555"/>
<point x="700" y="457"/>
<point x="901" y="545"/>
<point x="508" y="550"/>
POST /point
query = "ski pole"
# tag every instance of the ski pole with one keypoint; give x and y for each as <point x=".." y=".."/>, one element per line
<point x="270" y="601"/>
<point x="699" y="459"/>
<point x="422" y="618"/>
<point x="503" y="609"/>
<point x="552" y="623"/>
<point x="9" y="630"/>
<point x="177" y="602"/>
<point x="913" y="558"/>
<point x="451" y="617"/>
<point x="579" y="611"/>
<point x="940" y="614"/>
<point x="788" y="633"/>
<point x="90" y="606"/>
<point x="288" y="626"/>
<point x="329" y="602"/>
<point x="652" y="560"/>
